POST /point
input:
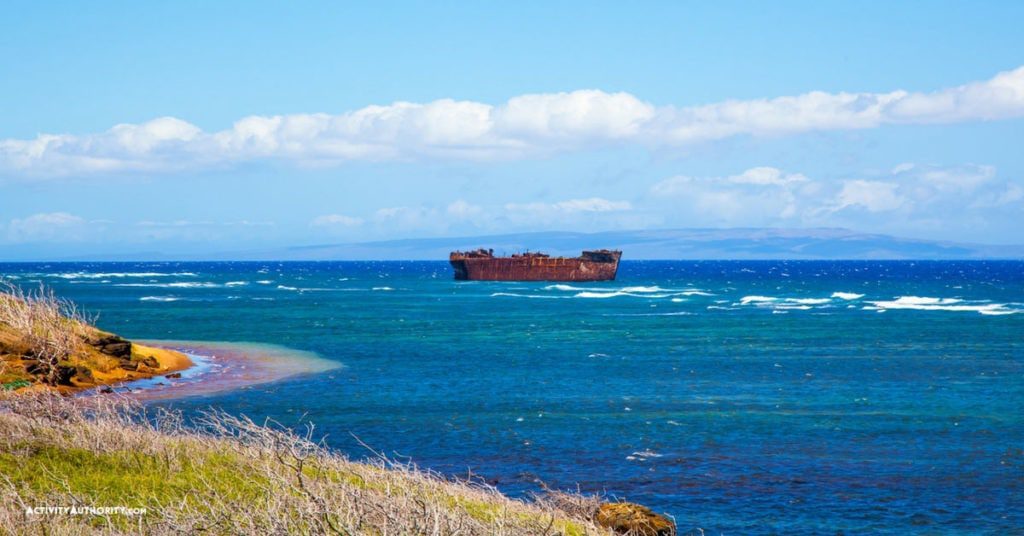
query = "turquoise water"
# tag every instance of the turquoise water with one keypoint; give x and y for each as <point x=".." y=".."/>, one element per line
<point x="741" y="397"/>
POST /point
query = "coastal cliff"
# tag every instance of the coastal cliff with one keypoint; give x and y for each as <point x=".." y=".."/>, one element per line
<point x="46" y="344"/>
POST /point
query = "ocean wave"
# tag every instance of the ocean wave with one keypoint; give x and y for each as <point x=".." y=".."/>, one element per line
<point x="809" y="301"/>
<point x="514" y="295"/>
<point x="633" y="289"/>
<point x="159" y="298"/>
<point x="777" y="303"/>
<point x="674" y="313"/>
<point x="927" y="303"/>
<point x="383" y="288"/>
<point x="569" y="288"/>
<point x="284" y="287"/>
<point x="847" y="295"/>
<point x="645" y="454"/>
<point x="616" y="294"/>
<point x="265" y="282"/>
<point x="106" y="275"/>
<point x="176" y="284"/>
<point x="236" y="283"/>
<point x="747" y="300"/>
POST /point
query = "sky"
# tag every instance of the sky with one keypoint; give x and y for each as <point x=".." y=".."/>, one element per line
<point x="137" y="128"/>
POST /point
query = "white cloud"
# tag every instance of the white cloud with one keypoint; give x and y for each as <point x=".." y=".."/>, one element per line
<point x="48" y="226"/>
<point x="757" y="196"/>
<point x="524" y="126"/>
<point x="766" y="196"/>
<point x="336" y="220"/>
<point x="758" y="176"/>
<point x="874" y="196"/>
<point x="590" y="204"/>
<point x="462" y="210"/>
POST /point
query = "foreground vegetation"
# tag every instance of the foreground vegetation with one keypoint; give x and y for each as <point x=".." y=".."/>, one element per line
<point x="232" y="476"/>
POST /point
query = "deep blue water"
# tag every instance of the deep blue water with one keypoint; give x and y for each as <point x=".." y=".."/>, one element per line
<point x="741" y="397"/>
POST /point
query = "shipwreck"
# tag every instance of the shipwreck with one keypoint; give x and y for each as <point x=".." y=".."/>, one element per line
<point x="483" y="265"/>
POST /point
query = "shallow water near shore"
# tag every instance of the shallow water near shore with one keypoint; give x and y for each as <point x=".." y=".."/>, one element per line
<point x="224" y="366"/>
<point x="744" y="397"/>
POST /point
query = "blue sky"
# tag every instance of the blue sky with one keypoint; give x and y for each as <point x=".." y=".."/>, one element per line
<point x="187" y="127"/>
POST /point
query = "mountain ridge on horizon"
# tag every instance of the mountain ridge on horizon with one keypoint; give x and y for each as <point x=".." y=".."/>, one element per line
<point x="747" y="243"/>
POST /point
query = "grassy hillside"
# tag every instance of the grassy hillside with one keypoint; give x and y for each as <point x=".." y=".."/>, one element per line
<point x="233" y="477"/>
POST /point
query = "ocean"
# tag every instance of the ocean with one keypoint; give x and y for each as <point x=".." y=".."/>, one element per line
<point x="740" y="397"/>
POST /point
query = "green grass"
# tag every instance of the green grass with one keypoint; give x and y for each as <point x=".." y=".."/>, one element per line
<point x="238" y="478"/>
<point x="131" y="479"/>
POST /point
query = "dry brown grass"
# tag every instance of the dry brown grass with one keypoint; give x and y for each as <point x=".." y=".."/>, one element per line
<point x="52" y="328"/>
<point x="231" y="475"/>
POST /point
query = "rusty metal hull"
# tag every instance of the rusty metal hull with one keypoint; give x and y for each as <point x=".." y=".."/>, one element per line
<point x="534" y="268"/>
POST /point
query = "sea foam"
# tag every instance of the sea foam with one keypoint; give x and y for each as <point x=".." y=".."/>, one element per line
<point x="106" y="275"/>
<point x="927" y="303"/>
<point x="159" y="298"/>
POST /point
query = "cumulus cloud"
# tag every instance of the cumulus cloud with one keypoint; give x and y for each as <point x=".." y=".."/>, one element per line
<point x="461" y="210"/>
<point x="760" y="194"/>
<point x="46" y="226"/>
<point x="908" y="194"/>
<point x="874" y="196"/>
<point x="590" y="204"/>
<point x="524" y="126"/>
<point x="336" y="220"/>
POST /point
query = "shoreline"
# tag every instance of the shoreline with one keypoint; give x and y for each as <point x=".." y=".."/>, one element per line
<point x="216" y="367"/>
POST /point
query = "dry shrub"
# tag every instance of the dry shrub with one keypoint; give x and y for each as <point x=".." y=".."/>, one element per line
<point x="231" y="475"/>
<point x="51" y="327"/>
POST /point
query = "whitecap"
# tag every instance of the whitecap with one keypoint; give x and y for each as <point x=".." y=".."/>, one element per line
<point x="383" y="288"/>
<point x="616" y="294"/>
<point x="567" y="288"/>
<point x="283" y="287"/>
<point x="674" y="313"/>
<point x="105" y="275"/>
<point x="809" y="301"/>
<point x="177" y="284"/>
<point x="159" y="298"/>
<point x="847" y="295"/>
<point x="645" y="454"/>
<point x="747" y="300"/>
<point x="236" y="283"/>
<point x="927" y="303"/>
<point x="643" y="290"/>
<point x="514" y="295"/>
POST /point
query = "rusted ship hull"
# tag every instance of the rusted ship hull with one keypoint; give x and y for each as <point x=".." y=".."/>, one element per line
<point x="591" y="266"/>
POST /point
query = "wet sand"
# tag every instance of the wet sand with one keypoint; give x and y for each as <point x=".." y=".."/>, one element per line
<point x="222" y="366"/>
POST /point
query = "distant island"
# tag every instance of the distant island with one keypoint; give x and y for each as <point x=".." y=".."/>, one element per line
<point x="656" y="244"/>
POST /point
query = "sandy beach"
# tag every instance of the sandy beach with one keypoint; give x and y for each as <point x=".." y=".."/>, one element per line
<point x="222" y="366"/>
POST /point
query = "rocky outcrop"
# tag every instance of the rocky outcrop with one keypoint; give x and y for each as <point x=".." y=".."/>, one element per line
<point x="112" y="345"/>
<point x="634" y="520"/>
